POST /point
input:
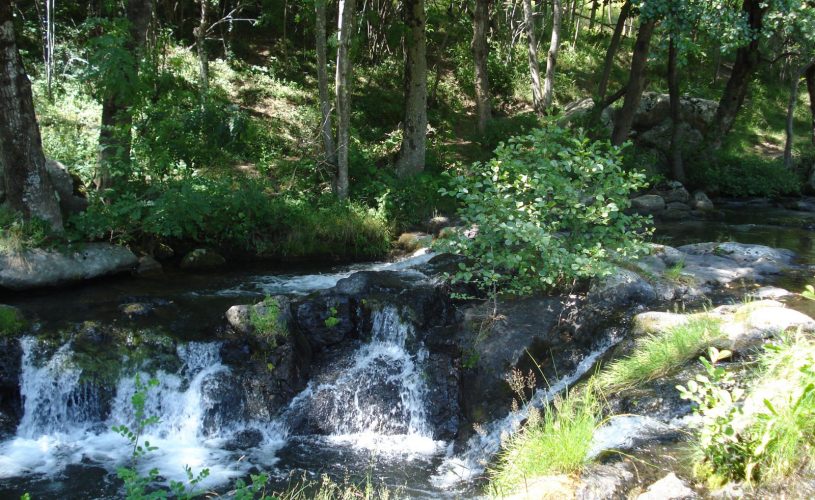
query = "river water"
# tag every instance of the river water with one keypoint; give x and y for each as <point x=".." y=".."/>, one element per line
<point x="64" y="446"/>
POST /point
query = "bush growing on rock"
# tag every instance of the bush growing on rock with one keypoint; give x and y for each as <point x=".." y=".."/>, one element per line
<point x="549" y="208"/>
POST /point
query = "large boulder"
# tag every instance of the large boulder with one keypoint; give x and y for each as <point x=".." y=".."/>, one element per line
<point x="202" y="258"/>
<point x="69" y="188"/>
<point x="37" y="267"/>
<point x="648" y="204"/>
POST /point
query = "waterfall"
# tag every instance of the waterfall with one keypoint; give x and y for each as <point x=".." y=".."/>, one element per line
<point x="379" y="400"/>
<point x="63" y="422"/>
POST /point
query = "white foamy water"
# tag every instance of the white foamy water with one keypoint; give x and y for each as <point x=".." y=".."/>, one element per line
<point x="61" y="423"/>
<point x="304" y="284"/>
<point x="395" y="426"/>
<point x="482" y="446"/>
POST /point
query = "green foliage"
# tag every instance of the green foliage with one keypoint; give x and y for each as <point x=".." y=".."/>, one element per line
<point x="17" y="234"/>
<point x="238" y="214"/>
<point x="332" y="320"/>
<point x="11" y="321"/>
<point x="809" y="292"/>
<point x="547" y="209"/>
<point x="746" y="175"/>
<point x="558" y="441"/>
<point x="658" y="355"/>
<point x="266" y="320"/>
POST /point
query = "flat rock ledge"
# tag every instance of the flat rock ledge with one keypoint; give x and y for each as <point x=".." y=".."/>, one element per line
<point x="39" y="268"/>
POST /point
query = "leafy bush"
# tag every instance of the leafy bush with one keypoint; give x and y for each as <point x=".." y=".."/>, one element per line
<point x="240" y="215"/>
<point x="549" y="208"/>
<point x="745" y="176"/>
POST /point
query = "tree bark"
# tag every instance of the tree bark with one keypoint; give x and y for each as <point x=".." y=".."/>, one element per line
<point x="117" y="117"/>
<point x="747" y="59"/>
<point x="534" y="66"/>
<point x="613" y="47"/>
<point x="810" y="78"/>
<point x="414" y="126"/>
<point x="27" y="185"/>
<point x="200" y="44"/>
<point x="551" y="56"/>
<point x="677" y="167"/>
<point x="480" y="53"/>
<point x="594" y="5"/>
<point x="343" y="94"/>
<point x="795" y="79"/>
<point x="636" y="83"/>
<point x="326" y="129"/>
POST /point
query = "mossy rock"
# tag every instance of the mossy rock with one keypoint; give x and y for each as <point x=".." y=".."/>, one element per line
<point x="12" y="321"/>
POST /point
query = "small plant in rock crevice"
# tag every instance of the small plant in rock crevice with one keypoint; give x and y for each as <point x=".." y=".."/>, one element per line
<point x="265" y="319"/>
<point x="332" y="320"/>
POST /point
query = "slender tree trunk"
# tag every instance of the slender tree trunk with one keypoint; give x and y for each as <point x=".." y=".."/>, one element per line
<point x="534" y="67"/>
<point x="594" y="5"/>
<point x="480" y="53"/>
<point x="636" y="83"/>
<point x="414" y="126"/>
<point x="677" y="168"/>
<point x="326" y="129"/>
<point x="437" y="68"/>
<point x="747" y="60"/>
<point x="343" y="93"/>
<point x="795" y="79"/>
<point x="200" y="44"/>
<point x="27" y="185"/>
<point x="810" y="78"/>
<point x="551" y="56"/>
<point x="717" y="63"/>
<point x="613" y="47"/>
<point x="117" y="117"/>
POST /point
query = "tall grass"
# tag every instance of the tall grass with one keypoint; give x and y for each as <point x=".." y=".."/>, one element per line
<point x="556" y="440"/>
<point x="661" y="354"/>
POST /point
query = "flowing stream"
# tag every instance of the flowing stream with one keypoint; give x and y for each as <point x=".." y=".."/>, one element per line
<point x="371" y="406"/>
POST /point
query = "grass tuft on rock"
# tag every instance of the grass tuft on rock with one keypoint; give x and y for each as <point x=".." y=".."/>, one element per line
<point x="556" y="440"/>
<point x="11" y="321"/>
<point x="661" y="354"/>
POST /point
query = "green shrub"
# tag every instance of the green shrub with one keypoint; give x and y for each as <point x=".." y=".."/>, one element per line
<point x="658" y="355"/>
<point x="11" y="321"/>
<point x="549" y="208"/>
<point x="556" y="442"/>
<point x="745" y="176"/>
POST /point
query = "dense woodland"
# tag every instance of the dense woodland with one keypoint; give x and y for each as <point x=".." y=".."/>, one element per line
<point x="162" y="109"/>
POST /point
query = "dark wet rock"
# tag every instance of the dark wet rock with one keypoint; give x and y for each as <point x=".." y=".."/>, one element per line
<point x="444" y="378"/>
<point x="700" y="201"/>
<point x="11" y="404"/>
<point x="36" y="268"/>
<point x="136" y="309"/>
<point x="648" y="204"/>
<point x="244" y="439"/>
<point x="674" y="192"/>
<point x="437" y="223"/>
<point x="222" y="402"/>
<point x="148" y="267"/>
<point x="622" y="288"/>
<point x="669" y="487"/>
<point x="604" y="482"/>
<point x="202" y="258"/>
<point x="325" y="320"/>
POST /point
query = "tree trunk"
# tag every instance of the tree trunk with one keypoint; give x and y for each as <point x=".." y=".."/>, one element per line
<point x="534" y="67"/>
<point x="551" y="56"/>
<point x="677" y="168"/>
<point x="795" y="79"/>
<point x="343" y="93"/>
<point x="636" y="83"/>
<point x="27" y="185"/>
<point x="747" y="59"/>
<point x="326" y="129"/>
<point x="414" y="126"/>
<point x="594" y="5"/>
<point x="117" y="117"/>
<point x="810" y="77"/>
<point x="480" y="53"/>
<point x="613" y="47"/>
<point x="200" y="44"/>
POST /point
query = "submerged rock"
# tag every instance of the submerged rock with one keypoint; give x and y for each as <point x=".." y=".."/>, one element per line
<point x="36" y="268"/>
<point x="148" y="267"/>
<point x="202" y="258"/>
